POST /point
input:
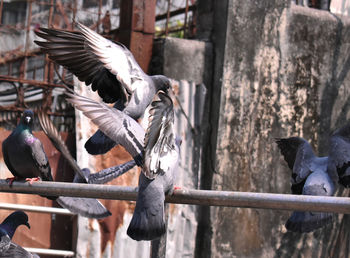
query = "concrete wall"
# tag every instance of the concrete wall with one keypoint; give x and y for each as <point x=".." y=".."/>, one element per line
<point x="279" y="70"/>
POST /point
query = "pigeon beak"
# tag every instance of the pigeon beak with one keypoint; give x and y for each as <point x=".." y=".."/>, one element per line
<point x="27" y="224"/>
<point x="28" y="119"/>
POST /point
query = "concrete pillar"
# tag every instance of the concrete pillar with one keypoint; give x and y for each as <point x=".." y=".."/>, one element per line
<point x="279" y="70"/>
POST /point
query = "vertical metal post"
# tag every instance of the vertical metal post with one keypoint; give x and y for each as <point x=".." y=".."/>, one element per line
<point x="99" y="16"/>
<point x="167" y="18"/>
<point x="185" y="23"/>
<point x="1" y="6"/>
<point x="137" y="28"/>
<point x="158" y="246"/>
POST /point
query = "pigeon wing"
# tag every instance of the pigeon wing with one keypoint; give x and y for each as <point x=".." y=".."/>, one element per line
<point x="339" y="154"/>
<point x="70" y="50"/>
<point x="115" y="57"/>
<point x="7" y="159"/>
<point x="16" y="251"/>
<point x="159" y="138"/>
<point x="114" y="123"/>
<point x="299" y="155"/>
<point x="56" y="139"/>
<point x="40" y="159"/>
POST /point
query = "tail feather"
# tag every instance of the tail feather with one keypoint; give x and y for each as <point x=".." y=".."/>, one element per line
<point x="148" y="221"/>
<point x="86" y="207"/>
<point x="109" y="174"/>
<point x="305" y="222"/>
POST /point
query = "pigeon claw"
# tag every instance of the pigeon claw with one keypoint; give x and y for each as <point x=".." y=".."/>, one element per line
<point x="177" y="188"/>
<point x="31" y="180"/>
<point x="11" y="180"/>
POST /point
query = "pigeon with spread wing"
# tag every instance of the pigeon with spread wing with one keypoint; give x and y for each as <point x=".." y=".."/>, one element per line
<point x="109" y="67"/>
<point x="158" y="157"/>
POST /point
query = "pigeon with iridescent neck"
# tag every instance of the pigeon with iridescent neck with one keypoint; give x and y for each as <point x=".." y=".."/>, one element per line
<point x="7" y="230"/>
<point x="24" y="154"/>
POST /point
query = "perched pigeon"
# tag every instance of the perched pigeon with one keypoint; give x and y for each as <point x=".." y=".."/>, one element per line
<point x="7" y="230"/>
<point x="24" y="154"/>
<point x="158" y="172"/>
<point x="159" y="164"/>
<point x="339" y="154"/>
<point x="86" y="207"/>
<point x="310" y="176"/>
<point x="109" y="67"/>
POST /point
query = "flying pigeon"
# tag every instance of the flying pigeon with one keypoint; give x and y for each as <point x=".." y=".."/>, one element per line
<point x="159" y="162"/>
<point x="24" y="154"/>
<point x="86" y="207"/>
<point x="7" y="230"/>
<point x="310" y="176"/>
<point x="109" y="67"/>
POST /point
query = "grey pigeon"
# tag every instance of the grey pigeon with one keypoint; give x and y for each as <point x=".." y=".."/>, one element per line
<point x="159" y="162"/>
<point x="339" y="155"/>
<point x="24" y="154"/>
<point x="7" y="230"/>
<point x="109" y="67"/>
<point x="86" y="207"/>
<point x="310" y="176"/>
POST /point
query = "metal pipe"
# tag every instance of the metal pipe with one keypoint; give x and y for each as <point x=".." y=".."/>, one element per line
<point x="188" y="196"/>
<point x="167" y="18"/>
<point x="32" y="208"/>
<point x="1" y="8"/>
<point x="52" y="252"/>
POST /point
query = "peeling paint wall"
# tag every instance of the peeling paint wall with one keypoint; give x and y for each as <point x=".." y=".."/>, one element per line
<point x="283" y="71"/>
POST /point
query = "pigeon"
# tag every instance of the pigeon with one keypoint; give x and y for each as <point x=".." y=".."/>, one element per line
<point x="109" y="67"/>
<point x="7" y="230"/>
<point x="24" y="154"/>
<point x="158" y="157"/>
<point x="86" y="207"/>
<point x="310" y="176"/>
<point x="339" y="155"/>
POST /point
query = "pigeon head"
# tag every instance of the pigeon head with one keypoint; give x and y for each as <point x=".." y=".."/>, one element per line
<point x="161" y="82"/>
<point x="14" y="220"/>
<point x="28" y="117"/>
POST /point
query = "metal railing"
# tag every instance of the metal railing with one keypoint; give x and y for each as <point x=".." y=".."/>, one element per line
<point x="188" y="196"/>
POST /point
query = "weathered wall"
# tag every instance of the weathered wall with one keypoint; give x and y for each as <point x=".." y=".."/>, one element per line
<point x="280" y="71"/>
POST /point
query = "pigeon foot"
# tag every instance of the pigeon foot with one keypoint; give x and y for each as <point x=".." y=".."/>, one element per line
<point x="31" y="180"/>
<point x="11" y="180"/>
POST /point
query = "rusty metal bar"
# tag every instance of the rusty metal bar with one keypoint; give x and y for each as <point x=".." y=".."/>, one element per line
<point x="40" y="84"/>
<point x="175" y="12"/>
<point x="1" y="7"/>
<point x="188" y="196"/>
<point x="185" y="23"/>
<point x="167" y="18"/>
